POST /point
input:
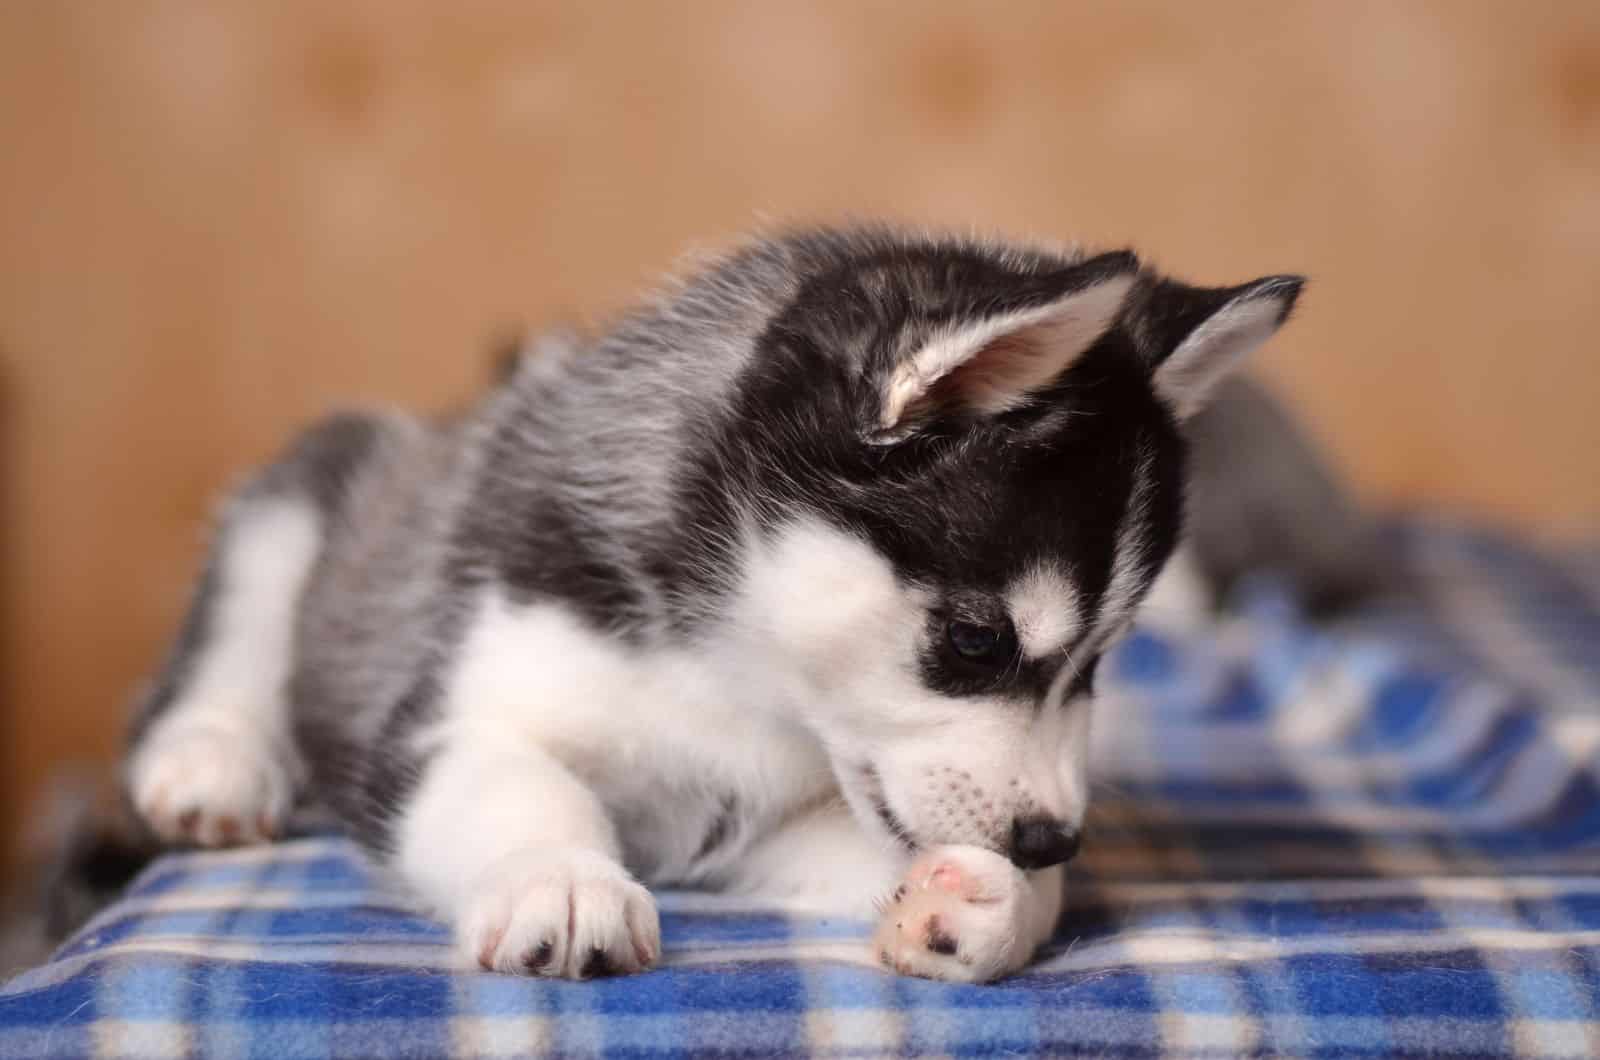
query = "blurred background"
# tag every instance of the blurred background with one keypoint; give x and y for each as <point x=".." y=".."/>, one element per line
<point x="218" y="220"/>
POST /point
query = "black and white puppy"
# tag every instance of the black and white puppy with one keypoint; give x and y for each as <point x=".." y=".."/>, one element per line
<point x="793" y="584"/>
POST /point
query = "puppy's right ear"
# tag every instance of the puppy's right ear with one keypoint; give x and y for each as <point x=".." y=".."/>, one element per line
<point x="987" y="365"/>
<point x="1195" y="337"/>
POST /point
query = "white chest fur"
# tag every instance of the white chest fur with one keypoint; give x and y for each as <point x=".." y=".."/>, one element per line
<point x="685" y="748"/>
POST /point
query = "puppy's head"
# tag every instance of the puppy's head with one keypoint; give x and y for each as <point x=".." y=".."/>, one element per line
<point x="967" y="463"/>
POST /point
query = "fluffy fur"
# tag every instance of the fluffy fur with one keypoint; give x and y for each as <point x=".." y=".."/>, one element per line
<point x="793" y="583"/>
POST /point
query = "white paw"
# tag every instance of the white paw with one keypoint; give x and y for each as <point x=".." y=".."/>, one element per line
<point x="962" y="914"/>
<point x="210" y="783"/>
<point x="560" y="912"/>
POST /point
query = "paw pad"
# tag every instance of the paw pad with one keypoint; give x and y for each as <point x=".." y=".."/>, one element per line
<point x="537" y="958"/>
<point x="939" y="940"/>
<point x="948" y="878"/>
<point x="597" y="964"/>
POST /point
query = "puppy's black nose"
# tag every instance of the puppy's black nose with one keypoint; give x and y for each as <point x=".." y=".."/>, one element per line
<point x="1039" y="842"/>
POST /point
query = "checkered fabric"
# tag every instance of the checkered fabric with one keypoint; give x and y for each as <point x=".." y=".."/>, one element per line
<point x="1379" y="839"/>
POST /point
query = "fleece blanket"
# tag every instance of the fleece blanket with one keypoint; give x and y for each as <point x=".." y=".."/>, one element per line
<point x="1378" y="838"/>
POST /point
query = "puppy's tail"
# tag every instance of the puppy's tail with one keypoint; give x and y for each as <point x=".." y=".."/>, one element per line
<point x="1263" y="497"/>
<point x="83" y="846"/>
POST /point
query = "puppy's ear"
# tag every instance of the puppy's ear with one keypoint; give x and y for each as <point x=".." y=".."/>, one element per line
<point x="1196" y="336"/>
<point x="986" y="366"/>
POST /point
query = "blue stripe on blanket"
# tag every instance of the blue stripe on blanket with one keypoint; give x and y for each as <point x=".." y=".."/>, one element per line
<point x="1380" y="839"/>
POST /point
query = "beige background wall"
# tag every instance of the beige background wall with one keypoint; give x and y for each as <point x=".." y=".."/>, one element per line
<point x="217" y="219"/>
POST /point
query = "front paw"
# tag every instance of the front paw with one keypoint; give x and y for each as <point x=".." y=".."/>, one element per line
<point x="962" y="914"/>
<point x="562" y="912"/>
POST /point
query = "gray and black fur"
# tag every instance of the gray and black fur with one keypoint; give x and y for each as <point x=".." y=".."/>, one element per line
<point x="1263" y="500"/>
<point x="614" y="476"/>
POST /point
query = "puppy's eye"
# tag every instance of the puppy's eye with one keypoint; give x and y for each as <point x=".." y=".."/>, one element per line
<point x="975" y="643"/>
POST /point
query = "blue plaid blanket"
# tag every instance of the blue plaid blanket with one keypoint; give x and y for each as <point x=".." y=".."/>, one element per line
<point x="1380" y="838"/>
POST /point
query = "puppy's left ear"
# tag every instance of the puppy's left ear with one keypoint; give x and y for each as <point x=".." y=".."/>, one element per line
<point x="1196" y="336"/>
<point x="991" y="364"/>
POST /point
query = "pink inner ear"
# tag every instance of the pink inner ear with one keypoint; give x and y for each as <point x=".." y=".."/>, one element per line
<point x="996" y="378"/>
<point x="996" y="364"/>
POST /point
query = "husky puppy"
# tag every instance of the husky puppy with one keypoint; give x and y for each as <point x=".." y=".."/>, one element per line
<point x="792" y="585"/>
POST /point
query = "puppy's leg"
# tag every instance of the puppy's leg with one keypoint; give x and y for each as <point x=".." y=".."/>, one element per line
<point x="958" y="913"/>
<point x="212" y="763"/>
<point x="212" y="759"/>
<point x="823" y="860"/>
<point x="511" y="847"/>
